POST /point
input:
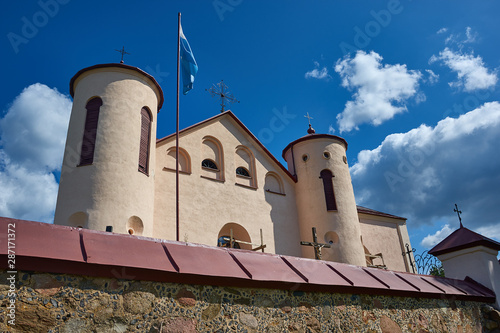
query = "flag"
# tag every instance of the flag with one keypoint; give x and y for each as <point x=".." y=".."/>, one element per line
<point x="188" y="64"/>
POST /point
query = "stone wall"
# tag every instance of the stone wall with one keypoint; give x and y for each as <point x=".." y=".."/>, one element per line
<point x="69" y="303"/>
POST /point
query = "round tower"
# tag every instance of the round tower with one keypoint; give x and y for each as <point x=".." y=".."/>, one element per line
<point x="107" y="176"/>
<point x="325" y="197"/>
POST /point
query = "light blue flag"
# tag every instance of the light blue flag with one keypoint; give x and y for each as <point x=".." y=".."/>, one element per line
<point x="188" y="64"/>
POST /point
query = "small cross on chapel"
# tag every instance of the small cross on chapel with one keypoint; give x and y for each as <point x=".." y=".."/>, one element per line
<point x="317" y="246"/>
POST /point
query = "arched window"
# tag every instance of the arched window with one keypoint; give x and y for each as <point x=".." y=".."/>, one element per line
<point x="273" y="183"/>
<point x="90" y="131"/>
<point x="241" y="238"/>
<point x="327" y="176"/>
<point x="184" y="160"/>
<point x="245" y="167"/>
<point x="241" y="171"/>
<point x="209" y="164"/>
<point x="212" y="159"/>
<point x="145" y="138"/>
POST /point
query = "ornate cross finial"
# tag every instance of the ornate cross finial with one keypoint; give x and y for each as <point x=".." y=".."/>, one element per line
<point x="122" y="51"/>
<point x="310" y="130"/>
<point x="458" y="213"/>
<point x="221" y="90"/>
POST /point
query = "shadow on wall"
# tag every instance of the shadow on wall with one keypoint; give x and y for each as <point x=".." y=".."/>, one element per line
<point x="285" y="229"/>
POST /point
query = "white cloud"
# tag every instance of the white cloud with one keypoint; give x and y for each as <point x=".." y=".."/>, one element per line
<point x="381" y="91"/>
<point x="32" y="136"/>
<point x="490" y="231"/>
<point x="27" y="194"/>
<point x="450" y="39"/>
<point x="458" y="39"/>
<point x="470" y="36"/>
<point x="33" y="131"/>
<point x="331" y="130"/>
<point x="420" y="174"/>
<point x="442" y="31"/>
<point x="471" y="71"/>
<point x="433" y="77"/>
<point x="317" y="73"/>
<point x="430" y="241"/>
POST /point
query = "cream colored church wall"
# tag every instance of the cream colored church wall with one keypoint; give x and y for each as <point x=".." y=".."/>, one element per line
<point x="206" y="205"/>
<point x="340" y="227"/>
<point x="387" y="236"/>
<point x="111" y="190"/>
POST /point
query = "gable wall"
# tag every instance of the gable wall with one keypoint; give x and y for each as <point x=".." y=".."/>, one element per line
<point x="387" y="236"/>
<point x="206" y="205"/>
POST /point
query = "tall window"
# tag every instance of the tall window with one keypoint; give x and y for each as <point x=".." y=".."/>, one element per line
<point x="90" y="131"/>
<point x="145" y="138"/>
<point x="327" y="176"/>
<point x="245" y="163"/>
<point x="212" y="165"/>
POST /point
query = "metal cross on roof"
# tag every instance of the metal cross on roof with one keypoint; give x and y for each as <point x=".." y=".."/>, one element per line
<point x="221" y="90"/>
<point x="310" y="130"/>
<point x="308" y="118"/>
<point x="317" y="246"/>
<point x="122" y="51"/>
<point x="458" y="213"/>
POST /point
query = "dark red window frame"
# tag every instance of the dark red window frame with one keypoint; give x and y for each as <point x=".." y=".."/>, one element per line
<point x="145" y="138"/>
<point x="327" y="177"/>
<point x="90" y="131"/>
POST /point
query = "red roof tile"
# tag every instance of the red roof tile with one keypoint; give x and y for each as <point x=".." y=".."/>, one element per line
<point x="36" y="239"/>
<point x="267" y="267"/>
<point x="107" y="249"/>
<point x="316" y="274"/>
<point x="203" y="260"/>
<point x="463" y="238"/>
<point x="59" y="249"/>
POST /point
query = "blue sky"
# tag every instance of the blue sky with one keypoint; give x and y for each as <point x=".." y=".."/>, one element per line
<point x="411" y="85"/>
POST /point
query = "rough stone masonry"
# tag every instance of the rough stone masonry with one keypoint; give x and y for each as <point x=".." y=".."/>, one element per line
<point x="70" y="303"/>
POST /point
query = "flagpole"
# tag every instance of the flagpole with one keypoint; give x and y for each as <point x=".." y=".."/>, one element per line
<point x="177" y="133"/>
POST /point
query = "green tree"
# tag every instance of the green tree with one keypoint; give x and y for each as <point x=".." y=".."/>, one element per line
<point x="437" y="271"/>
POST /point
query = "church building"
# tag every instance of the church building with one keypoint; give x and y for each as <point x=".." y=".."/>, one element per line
<point x="116" y="176"/>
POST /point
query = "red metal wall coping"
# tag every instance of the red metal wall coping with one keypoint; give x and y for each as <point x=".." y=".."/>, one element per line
<point x="60" y="249"/>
